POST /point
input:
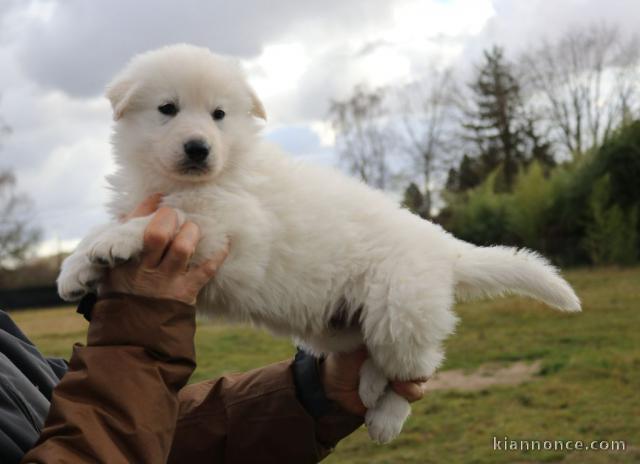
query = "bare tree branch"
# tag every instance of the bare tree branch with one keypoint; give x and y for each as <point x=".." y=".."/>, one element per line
<point x="587" y="83"/>
<point x="426" y="121"/>
<point x="363" y="138"/>
<point x="17" y="236"/>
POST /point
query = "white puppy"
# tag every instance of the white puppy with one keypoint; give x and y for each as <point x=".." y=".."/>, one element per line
<point x="309" y="245"/>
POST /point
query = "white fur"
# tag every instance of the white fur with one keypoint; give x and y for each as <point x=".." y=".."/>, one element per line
<point x="305" y="239"/>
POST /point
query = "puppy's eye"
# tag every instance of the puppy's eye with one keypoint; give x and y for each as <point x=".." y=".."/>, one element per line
<point x="218" y="114"/>
<point x="170" y="109"/>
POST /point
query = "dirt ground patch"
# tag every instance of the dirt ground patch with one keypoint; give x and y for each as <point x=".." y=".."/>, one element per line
<point x="484" y="377"/>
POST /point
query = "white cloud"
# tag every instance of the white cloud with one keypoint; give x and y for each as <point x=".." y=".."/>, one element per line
<point x="325" y="133"/>
<point x="418" y="20"/>
<point x="278" y="69"/>
<point x="59" y="149"/>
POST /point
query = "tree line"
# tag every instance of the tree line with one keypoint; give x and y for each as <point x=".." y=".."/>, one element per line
<point x="541" y="150"/>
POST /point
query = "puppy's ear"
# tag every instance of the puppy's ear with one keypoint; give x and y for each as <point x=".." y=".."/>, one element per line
<point x="257" y="108"/>
<point x="120" y="93"/>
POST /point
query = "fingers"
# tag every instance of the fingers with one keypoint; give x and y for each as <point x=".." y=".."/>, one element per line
<point x="207" y="270"/>
<point x="147" y="207"/>
<point x="411" y="391"/>
<point x="158" y="235"/>
<point x="171" y="251"/>
<point x="182" y="248"/>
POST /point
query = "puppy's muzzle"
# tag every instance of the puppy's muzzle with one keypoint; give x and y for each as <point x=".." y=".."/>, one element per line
<point x="196" y="151"/>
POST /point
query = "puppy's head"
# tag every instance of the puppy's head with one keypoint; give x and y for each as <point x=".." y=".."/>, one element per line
<point x="182" y="112"/>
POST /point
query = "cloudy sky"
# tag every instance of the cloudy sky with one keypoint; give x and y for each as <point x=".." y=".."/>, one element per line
<point x="57" y="56"/>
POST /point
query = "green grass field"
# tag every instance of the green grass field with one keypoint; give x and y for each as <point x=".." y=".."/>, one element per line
<point x="588" y="388"/>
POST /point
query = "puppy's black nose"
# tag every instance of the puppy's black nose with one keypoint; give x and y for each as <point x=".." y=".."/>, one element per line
<point x="196" y="150"/>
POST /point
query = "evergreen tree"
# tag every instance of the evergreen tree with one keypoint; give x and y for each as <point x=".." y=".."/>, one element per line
<point x="467" y="176"/>
<point x="501" y="132"/>
<point x="414" y="201"/>
<point x="538" y="147"/>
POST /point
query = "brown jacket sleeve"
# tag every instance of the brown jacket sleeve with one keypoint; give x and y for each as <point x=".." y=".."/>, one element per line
<point x="119" y="401"/>
<point x="254" y="418"/>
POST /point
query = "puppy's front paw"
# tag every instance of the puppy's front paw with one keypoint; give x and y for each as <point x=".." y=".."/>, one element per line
<point x="114" y="246"/>
<point x="384" y="422"/>
<point x="77" y="277"/>
<point x="372" y="384"/>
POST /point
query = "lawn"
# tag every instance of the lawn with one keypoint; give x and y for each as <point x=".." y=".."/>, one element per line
<point x="588" y="387"/>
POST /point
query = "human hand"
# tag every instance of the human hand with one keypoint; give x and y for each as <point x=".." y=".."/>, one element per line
<point x="163" y="269"/>
<point x="340" y="375"/>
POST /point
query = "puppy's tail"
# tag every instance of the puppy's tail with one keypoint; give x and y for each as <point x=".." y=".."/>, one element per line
<point x="491" y="271"/>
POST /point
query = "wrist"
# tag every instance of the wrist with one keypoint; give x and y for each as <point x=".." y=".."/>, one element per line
<point x="163" y="327"/>
<point x="347" y="400"/>
<point x="307" y="376"/>
<point x="105" y="291"/>
<point x="340" y="379"/>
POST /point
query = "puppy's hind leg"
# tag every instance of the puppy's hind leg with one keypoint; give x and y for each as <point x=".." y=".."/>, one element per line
<point x="386" y="417"/>
<point x="372" y="385"/>
<point x="407" y="315"/>
<point x="384" y="421"/>
<point x="386" y="410"/>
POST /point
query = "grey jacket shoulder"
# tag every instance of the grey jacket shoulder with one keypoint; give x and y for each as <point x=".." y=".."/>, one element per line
<point x="26" y="382"/>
